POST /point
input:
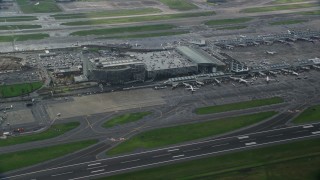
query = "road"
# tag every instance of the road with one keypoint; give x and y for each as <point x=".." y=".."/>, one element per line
<point x="129" y="162"/>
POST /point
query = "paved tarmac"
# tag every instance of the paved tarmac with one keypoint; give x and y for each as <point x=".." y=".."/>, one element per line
<point x="129" y="162"/>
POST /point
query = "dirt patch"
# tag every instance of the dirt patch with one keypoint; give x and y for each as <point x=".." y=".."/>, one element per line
<point x="10" y="63"/>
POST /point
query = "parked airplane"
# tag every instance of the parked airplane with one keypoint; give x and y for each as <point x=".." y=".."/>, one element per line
<point x="217" y="81"/>
<point x="269" y="79"/>
<point x="271" y="52"/>
<point x="261" y="73"/>
<point x="186" y="84"/>
<point x="229" y="47"/>
<point x="192" y="89"/>
<point x="316" y="67"/>
<point x="305" y="68"/>
<point x="273" y="73"/>
<point x="295" y="73"/>
<point x="255" y="43"/>
<point x="200" y="83"/>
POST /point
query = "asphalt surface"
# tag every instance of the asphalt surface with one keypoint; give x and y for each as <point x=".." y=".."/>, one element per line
<point x="125" y="163"/>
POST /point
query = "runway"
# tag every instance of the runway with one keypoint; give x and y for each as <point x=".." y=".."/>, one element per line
<point x="152" y="158"/>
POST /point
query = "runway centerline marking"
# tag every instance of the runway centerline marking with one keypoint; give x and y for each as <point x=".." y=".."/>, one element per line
<point x="275" y="135"/>
<point x="97" y="171"/>
<point x="61" y="174"/>
<point x="301" y="131"/>
<point x="97" y="167"/>
<point x="195" y="149"/>
<point x="130" y="161"/>
<point x="246" y="140"/>
<point x="316" y="132"/>
<point x="243" y="137"/>
<point x="161" y="155"/>
<point x="171" y="150"/>
<point x="220" y="145"/>
<point x="181" y="155"/>
<point x="307" y="126"/>
<point x="250" y="143"/>
<point x="93" y="164"/>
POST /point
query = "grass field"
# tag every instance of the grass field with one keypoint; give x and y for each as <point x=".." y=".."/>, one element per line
<point x="287" y="161"/>
<point x="146" y="35"/>
<point x="110" y="13"/>
<point x="287" y="22"/>
<point x="181" y="5"/>
<point x="182" y="133"/>
<point x="311" y="114"/>
<point x="238" y="106"/>
<point x="53" y="131"/>
<point x="311" y="13"/>
<point x="44" y="6"/>
<point x="23" y="37"/>
<point x="232" y="28"/>
<point x="17" y="18"/>
<point x="138" y="19"/>
<point x="125" y="118"/>
<point x="123" y="30"/>
<point x="17" y="27"/>
<point x="18" y="89"/>
<point x="277" y="8"/>
<point x="20" y="159"/>
<point x="227" y="21"/>
<point x="287" y="1"/>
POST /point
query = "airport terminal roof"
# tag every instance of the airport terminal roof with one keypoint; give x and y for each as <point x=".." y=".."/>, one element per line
<point x="198" y="56"/>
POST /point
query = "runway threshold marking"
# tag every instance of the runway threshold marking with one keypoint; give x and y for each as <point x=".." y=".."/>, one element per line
<point x="171" y="150"/>
<point x="161" y="155"/>
<point x="195" y="149"/>
<point x="61" y="174"/>
<point x="181" y="155"/>
<point x="275" y="135"/>
<point x="97" y="167"/>
<point x="316" y="132"/>
<point x="220" y="145"/>
<point x="94" y="164"/>
<point x="130" y="161"/>
<point x="250" y="143"/>
<point x="97" y="171"/>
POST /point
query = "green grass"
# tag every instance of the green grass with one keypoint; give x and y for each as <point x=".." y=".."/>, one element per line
<point x="23" y="37"/>
<point x="110" y="13"/>
<point x="123" y="30"/>
<point x="287" y="1"/>
<point x="20" y="159"/>
<point x="17" y="18"/>
<point x="286" y="161"/>
<point x="138" y="19"/>
<point x="232" y="28"/>
<point x="182" y="133"/>
<point x="311" y="114"/>
<point x="17" y="27"/>
<point x="181" y="5"/>
<point x="53" y="131"/>
<point x="126" y="118"/>
<point x="227" y="21"/>
<point x="45" y="6"/>
<point x="278" y="8"/>
<point x="310" y="12"/>
<point x="146" y="35"/>
<point x="238" y="106"/>
<point x="19" y="89"/>
<point x="287" y="22"/>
